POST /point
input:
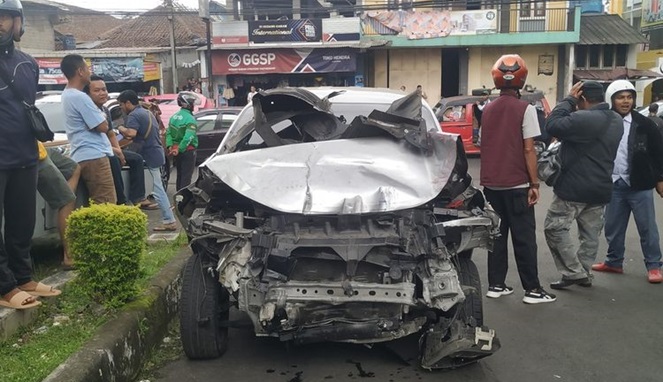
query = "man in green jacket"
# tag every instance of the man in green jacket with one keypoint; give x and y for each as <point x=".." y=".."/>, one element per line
<point x="181" y="139"/>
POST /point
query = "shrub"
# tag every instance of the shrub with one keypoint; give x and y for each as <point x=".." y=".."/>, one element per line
<point x="107" y="242"/>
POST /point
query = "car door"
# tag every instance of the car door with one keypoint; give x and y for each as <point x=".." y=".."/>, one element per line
<point x="212" y="127"/>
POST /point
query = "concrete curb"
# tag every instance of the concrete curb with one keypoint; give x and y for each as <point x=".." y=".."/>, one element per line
<point x="11" y="320"/>
<point x="117" y="350"/>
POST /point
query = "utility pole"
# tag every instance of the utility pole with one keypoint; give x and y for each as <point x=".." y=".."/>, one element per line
<point x="173" y="54"/>
<point x="204" y="13"/>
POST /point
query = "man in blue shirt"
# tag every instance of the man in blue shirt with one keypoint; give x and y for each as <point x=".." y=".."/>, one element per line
<point x="86" y="128"/>
<point x="142" y="127"/>
<point x="18" y="166"/>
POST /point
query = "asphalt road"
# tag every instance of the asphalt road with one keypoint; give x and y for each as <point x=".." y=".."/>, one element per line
<point x="611" y="332"/>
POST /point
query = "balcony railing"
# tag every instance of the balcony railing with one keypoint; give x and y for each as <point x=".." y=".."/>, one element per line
<point x="427" y="23"/>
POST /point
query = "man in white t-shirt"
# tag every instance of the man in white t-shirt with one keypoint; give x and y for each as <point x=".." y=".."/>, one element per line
<point x="86" y="128"/>
<point x="249" y="96"/>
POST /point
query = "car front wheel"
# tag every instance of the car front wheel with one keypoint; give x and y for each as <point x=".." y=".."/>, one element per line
<point x="204" y="308"/>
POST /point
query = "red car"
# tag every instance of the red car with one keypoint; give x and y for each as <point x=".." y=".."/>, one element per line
<point x="456" y="115"/>
<point x="168" y="104"/>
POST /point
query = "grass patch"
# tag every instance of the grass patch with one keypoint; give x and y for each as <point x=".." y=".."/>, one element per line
<point x="62" y="327"/>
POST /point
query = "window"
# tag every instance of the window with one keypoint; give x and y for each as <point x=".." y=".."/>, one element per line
<point x="595" y="56"/>
<point x="529" y="9"/>
<point x="608" y="56"/>
<point x="206" y="123"/>
<point x="212" y="122"/>
<point x="227" y="120"/>
<point x="620" y="58"/>
<point x="600" y="56"/>
<point x="581" y="56"/>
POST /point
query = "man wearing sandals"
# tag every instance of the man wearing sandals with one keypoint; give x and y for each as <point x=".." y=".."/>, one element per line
<point x="18" y="167"/>
<point x="142" y="127"/>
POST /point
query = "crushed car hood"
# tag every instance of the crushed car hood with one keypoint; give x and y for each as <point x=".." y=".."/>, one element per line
<point x="346" y="176"/>
<point x="388" y="158"/>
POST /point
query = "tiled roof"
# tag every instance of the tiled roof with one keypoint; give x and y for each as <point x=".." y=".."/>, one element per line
<point x="152" y="29"/>
<point x="85" y="24"/>
<point x="599" y="29"/>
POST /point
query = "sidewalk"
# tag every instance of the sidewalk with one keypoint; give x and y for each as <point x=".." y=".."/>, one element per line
<point x="116" y="351"/>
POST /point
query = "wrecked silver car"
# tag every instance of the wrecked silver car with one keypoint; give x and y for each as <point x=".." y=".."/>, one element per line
<point x="337" y="215"/>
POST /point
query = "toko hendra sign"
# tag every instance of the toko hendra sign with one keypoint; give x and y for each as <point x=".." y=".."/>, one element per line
<point x="319" y="60"/>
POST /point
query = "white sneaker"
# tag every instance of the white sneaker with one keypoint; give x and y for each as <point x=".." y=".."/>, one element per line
<point x="538" y="296"/>
<point x="499" y="291"/>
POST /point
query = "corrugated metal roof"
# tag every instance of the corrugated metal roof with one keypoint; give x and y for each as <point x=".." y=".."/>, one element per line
<point x="596" y="29"/>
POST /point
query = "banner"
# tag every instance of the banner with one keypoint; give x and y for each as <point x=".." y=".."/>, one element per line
<point x="151" y="71"/>
<point x="321" y="60"/>
<point x="652" y="14"/>
<point x="118" y="69"/>
<point x="302" y="30"/>
<point x="429" y="24"/>
<point x="49" y="71"/>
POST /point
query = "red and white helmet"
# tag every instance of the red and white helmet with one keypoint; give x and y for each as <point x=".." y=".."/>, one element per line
<point x="509" y="72"/>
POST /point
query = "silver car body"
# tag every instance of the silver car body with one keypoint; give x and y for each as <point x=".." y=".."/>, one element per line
<point x="339" y="215"/>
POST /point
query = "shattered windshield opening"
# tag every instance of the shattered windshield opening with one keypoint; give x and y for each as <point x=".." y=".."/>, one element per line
<point x="287" y="117"/>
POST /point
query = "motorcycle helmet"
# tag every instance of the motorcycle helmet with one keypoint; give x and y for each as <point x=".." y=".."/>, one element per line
<point x="15" y="8"/>
<point x="509" y="72"/>
<point x="186" y="100"/>
<point x="616" y="87"/>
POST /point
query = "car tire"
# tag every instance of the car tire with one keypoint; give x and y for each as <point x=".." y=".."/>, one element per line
<point x="471" y="311"/>
<point x="204" y="312"/>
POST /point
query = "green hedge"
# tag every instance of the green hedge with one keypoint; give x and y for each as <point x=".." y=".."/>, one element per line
<point x="107" y="242"/>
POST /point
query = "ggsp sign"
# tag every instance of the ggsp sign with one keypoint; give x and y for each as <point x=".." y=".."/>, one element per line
<point x="251" y="59"/>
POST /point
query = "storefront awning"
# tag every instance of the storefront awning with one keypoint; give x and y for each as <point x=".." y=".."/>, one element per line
<point x="620" y="73"/>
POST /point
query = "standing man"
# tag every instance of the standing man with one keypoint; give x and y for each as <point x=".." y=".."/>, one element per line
<point x="638" y="169"/>
<point x="18" y="166"/>
<point x="508" y="174"/>
<point x="181" y="139"/>
<point x="653" y="115"/>
<point x="477" y="109"/>
<point x="99" y="94"/>
<point x="86" y="128"/>
<point x="421" y="92"/>
<point x="249" y="96"/>
<point x="590" y="138"/>
<point x="57" y="179"/>
<point x="142" y="127"/>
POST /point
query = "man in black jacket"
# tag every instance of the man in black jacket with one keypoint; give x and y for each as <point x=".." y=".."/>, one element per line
<point x="590" y="137"/>
<point x="638" y="169"/>
<point x="18" y="166"/>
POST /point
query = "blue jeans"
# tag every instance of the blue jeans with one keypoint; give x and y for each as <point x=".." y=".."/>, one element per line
<point x="161" y="196"/>
<point x="617" y="214"/>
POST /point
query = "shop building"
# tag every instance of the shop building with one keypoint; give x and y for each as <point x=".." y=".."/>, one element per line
<point x="276" y="53"/>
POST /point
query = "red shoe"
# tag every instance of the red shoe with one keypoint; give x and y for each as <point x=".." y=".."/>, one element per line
<point x="603" y="267"/>
<point x="654" y="276"/>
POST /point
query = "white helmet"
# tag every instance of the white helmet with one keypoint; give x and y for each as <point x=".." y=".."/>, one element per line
<point x="616" y="87"/>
